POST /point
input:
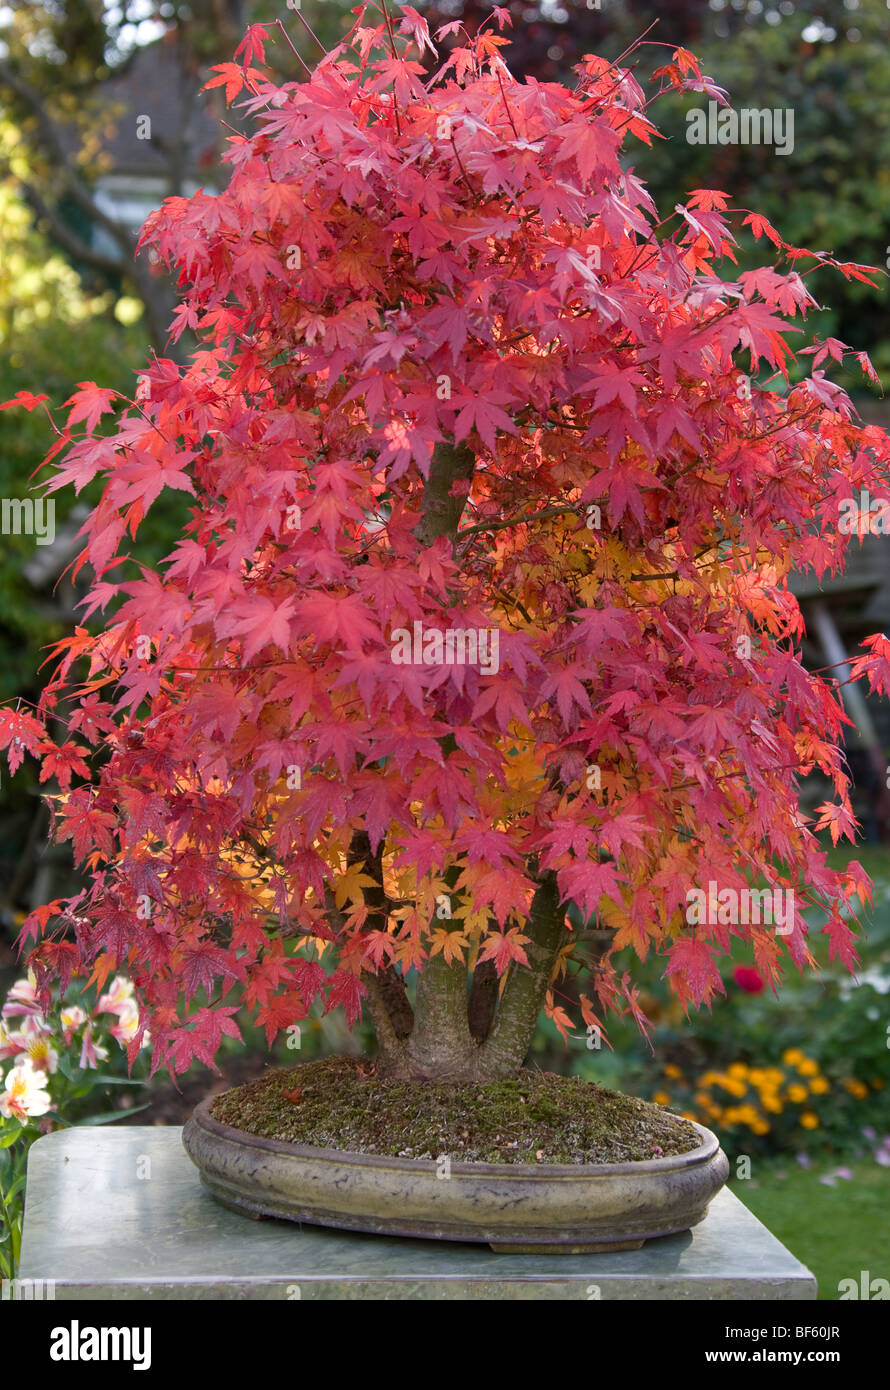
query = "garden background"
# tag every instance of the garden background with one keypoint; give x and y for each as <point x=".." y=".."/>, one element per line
<point x="798" y="1088"/>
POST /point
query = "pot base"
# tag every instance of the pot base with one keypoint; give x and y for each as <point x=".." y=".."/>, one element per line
<point x="601" y="1248"/>
<point x="516" y="1209"/>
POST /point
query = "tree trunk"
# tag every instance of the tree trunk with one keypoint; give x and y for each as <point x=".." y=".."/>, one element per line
<point x="460" y="1030"/>
<point x="469" y="1035"/>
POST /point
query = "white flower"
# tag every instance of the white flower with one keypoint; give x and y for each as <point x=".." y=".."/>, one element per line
<point x="127" y="1025"/>
<point x="24" y="1095"/>
<point x="119" y="998"/>
<point x="36" y="1040"/>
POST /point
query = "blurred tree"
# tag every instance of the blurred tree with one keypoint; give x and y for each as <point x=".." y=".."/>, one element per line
<point x="53" y="332"/>
<point x="96" y="88"/>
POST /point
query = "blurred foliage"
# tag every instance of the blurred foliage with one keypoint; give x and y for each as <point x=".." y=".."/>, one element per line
<point x="832" y="193"/>
<point x="52" y="335"/>
<point x="824" y="1035"/>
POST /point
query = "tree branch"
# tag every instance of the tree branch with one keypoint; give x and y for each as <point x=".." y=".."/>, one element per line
<point x="63" y="234"/>
<point x="441" y="512"/>
<point x="51" y="142"/>
<point x="504" y="1050"/>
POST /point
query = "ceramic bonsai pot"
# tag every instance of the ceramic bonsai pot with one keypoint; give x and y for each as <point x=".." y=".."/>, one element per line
<point x="514" y="1208"/>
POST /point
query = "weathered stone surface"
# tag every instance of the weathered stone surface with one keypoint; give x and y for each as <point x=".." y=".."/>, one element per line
<point x="122" y="1214"/>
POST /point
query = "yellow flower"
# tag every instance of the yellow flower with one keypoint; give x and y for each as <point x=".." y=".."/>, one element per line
<point x="797" y="1094"/>
<point x="673" y="1072"/>
<point x="809" y="1120"/>
<point x="757" y="1076"/>
<point x="856" y="1088"/>
<point x="702" y="1098"/>
<point x="775" y="1076"/>
<point x="819" y="1086"/>
<point x="792" y="1056"/>
<point x="772" y="1104"/>
<point x="808" y="1067"/>
<point x="661" y="1098"/>
<point x="876" y="1083"/>
<point x="738" y="1070"/>
<point x="761" y="1127"/>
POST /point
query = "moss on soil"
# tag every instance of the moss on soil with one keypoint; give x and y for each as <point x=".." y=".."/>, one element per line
<point x="340" y="1103"/>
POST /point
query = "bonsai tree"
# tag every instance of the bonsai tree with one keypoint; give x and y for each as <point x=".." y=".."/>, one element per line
<point x="475" y="664"/>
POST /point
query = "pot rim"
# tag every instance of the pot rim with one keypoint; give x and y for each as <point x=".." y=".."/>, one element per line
<point x="202" y="1119"/>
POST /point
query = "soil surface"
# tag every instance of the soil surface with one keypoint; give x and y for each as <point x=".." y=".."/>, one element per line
<point x="340" y="1103"/>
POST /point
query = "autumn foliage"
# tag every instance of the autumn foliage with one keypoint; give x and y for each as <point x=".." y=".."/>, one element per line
<point x="453" y="369"/>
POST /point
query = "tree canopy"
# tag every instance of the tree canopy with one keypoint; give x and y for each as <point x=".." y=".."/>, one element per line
<point x="481" y="611"/>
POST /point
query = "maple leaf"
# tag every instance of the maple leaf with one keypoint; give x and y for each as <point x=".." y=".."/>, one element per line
<point x="838" y="819"/>
<point x="558" y="1017"/>
<point x="504" y="947"/>
<point x="760" y="226"/>
<point x="452" y="944"/>
<point x="347" y="990"/>
<point x="691" y="960"/>
<point x="24" y="398"/>
<point x="232" y="77"/>
<point x="89" y="402"/>
<point x="251" y="46"/>
<point x="202" y="964"/>
<point x="263" y="622"/>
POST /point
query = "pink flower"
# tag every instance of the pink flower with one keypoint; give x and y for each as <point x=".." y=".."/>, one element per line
<point x="747" y="979"/>
<point x="22" y="999"/>
<point x="90" y="1052"/>
<point x="11" y="1044"/>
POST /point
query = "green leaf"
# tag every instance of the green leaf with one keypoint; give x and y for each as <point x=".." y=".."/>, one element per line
<point x="109" y="1119"/>
<point x="65" y="1067"/>
<point x="108" y="1080"/>
<point x="16" y="1188"/>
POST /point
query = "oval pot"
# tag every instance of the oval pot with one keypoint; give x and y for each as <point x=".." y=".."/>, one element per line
<point x="514" y="1208"/>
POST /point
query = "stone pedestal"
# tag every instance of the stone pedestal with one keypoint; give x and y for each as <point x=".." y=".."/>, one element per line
<point x="121" y="1214"/>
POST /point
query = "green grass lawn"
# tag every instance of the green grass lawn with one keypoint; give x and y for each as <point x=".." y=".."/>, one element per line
<point x="835" y="1231"/>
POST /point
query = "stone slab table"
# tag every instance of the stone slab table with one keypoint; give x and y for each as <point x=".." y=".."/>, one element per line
<point x="122" y="1214"/>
